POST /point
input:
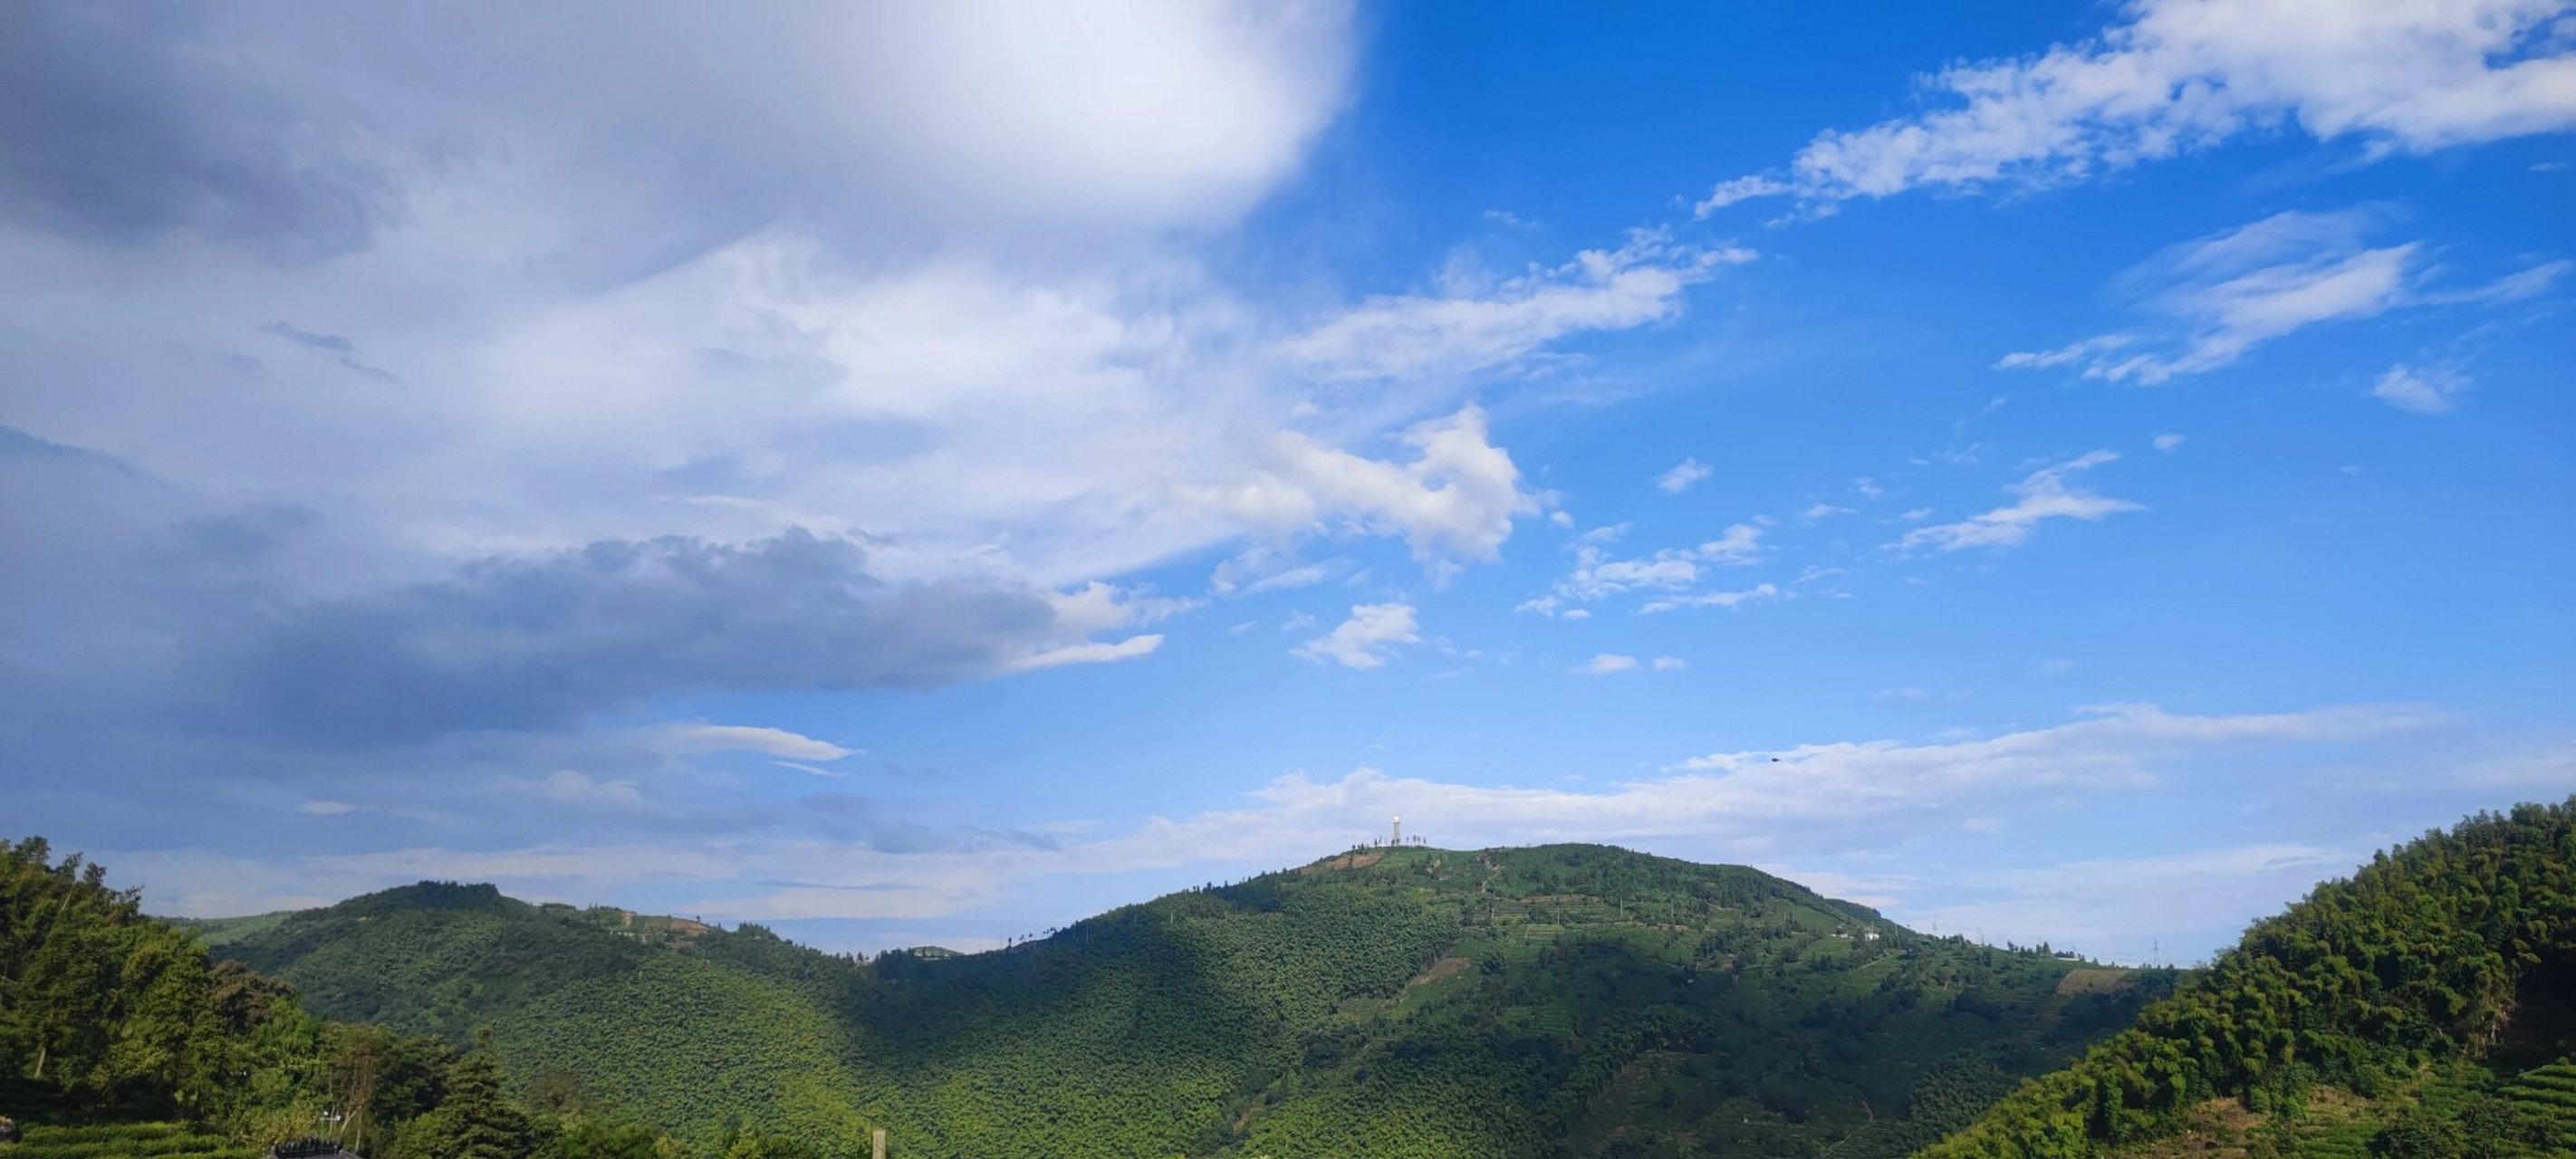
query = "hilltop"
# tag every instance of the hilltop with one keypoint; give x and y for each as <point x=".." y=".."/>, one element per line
<point x="1569" y="999"/>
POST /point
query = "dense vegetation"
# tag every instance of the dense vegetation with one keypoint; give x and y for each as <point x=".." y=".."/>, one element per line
<point x="1570" y="1000"/>
<point x="2413" y="1011"/>
<point x="119" y="1037"/>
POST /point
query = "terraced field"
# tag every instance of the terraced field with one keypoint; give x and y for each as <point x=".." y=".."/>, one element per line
<point x="2547" y="1095"/>
<point x="124" y="1141"/>
<point x="2348" y="1139"/>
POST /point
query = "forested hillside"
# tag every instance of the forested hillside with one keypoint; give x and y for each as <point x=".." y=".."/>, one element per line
<point x="2423" y="1009"/>
<point x="120" y="1037"/>
<point x="1574" y="1000"/>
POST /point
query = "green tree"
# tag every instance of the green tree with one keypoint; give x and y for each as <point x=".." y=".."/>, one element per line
<point x="475" y="1118"/>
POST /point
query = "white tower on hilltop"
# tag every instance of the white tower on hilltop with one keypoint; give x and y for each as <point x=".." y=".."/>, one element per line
<point x="1395" y="834"/>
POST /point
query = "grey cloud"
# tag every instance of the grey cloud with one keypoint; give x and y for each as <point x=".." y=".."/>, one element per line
<point x="122" y="126"/>
<point x="333" y="344"/>
<point x="165" y="652"/>
<point x="519" y="643"/>
<point x="129" y="597"/>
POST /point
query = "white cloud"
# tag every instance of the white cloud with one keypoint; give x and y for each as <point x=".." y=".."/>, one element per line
<point x="1680" y="478"/>
<point x="1741" y="189"/>
<point x="1759" y="593"/>
<point x="1263" y="567"/>
<point x="741" y="738"/>
<point x="2518" y="286"/>
<point x="1821" y="510"/>
<point x="2232" y="291"/>
<point x="1607" y="663"/>
<point x="814" y="770"/>
<point x="2167" y="442"/>
<point x="2046" y="494"/>
<point x="1089" y="652"/>
<point x="1426" y="337"/>
<point x="2170" y="77"/>
<point x="1454" y="501"/>
<point x="2423" y="390"/>
<point x="2073" y="352"/>
<point x="1741" y="544"/>
<point x="1593" y="579"/>
<point x="1598" y="575"/>
<point x="1363" y="640"/>
<point x="574" y="788"/>
<point x="1670" y="663"/>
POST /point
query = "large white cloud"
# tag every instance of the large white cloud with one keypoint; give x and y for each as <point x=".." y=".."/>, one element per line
<point x="926" y="276"/>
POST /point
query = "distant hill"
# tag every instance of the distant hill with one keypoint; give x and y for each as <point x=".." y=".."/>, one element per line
<point x="2425" y="1008"/>
<point x="1563" y="1000"/>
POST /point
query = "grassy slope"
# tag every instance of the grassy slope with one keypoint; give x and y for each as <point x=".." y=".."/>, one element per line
<point x="1567" y="999"/>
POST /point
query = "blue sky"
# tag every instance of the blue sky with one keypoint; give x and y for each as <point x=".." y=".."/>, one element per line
<point x="910" y="474"/>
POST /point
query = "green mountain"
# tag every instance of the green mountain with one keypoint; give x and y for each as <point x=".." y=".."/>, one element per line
<point x="2425" y="1008"/>
<point x="1564" y="1000"/>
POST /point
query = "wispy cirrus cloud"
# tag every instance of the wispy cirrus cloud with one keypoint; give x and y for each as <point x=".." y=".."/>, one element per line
<point x="2171" y="77"/>
<point x="2048" y="493"/>
<point x="1730" y="600"/>
<point x="775" y="742"/>
<point x="2218" y="297"/>
<point x="1433" y="336"/>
